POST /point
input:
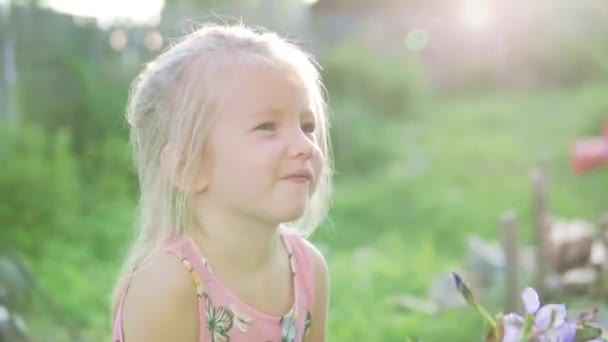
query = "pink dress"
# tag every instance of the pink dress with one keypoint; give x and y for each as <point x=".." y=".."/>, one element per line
<point x="224" y="317"/>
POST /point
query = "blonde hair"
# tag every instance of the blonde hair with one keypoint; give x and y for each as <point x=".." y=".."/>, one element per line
<point x="171" y="105"/>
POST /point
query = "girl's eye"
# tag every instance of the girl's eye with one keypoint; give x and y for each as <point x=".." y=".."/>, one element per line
<point x="266" y="126"/>
<point x="308" y="128"/>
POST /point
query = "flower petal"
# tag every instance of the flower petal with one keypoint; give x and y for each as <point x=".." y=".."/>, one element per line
<point x="567" y="332"/>
<point x="543" y="316"/>
<point x="530" y="299"/>
<point x="513" y="320"/>
<point x="513" y="327"/>
<point x="512" y="334"/>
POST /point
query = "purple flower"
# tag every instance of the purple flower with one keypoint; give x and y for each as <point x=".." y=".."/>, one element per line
<point x="513" y="327"/>
<point x="549" y="321"/>
<point x="567" y="332"/>
<point x="543" y="315"/>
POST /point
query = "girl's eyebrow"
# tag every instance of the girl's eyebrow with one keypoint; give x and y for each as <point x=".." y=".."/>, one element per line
<point x="266" y="112"/>
<point x="277" y="112"/>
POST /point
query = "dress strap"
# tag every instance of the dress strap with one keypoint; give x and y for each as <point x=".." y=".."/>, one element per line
<point x="302" y="263"/>
<point x="186" y="251"/>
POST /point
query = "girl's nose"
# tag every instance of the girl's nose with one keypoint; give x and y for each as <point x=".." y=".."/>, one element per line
<point x="301" y="145"/>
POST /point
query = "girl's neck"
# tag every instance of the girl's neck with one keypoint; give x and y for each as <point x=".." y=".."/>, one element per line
<point x="239" y="241"/>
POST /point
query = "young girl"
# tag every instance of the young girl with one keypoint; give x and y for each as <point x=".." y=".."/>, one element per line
<point x="230" y="138"/>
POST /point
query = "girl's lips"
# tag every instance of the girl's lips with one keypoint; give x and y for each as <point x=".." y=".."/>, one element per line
<point x="301" y="176"/>
<point x="298" y="179"/>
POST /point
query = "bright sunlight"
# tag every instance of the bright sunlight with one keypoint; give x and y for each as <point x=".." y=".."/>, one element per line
<point x="476" y="13"/>
<point x="138" y="12"/>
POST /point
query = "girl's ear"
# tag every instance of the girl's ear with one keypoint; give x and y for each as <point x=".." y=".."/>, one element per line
<point x="200" y="181"/>
<point x="174" y="166"/>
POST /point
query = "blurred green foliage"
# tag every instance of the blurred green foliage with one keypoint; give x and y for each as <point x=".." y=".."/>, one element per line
<point x="390" y="85"/>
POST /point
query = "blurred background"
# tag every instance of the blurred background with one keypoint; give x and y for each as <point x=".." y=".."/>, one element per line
<point x="441" y="111"/>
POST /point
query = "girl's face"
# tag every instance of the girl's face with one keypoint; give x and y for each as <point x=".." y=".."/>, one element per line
<point x="262" y="159"/>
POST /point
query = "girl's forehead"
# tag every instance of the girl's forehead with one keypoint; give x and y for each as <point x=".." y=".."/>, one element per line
<point x="255" y="89"/>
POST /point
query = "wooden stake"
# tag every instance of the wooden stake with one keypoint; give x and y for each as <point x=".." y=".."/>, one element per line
<point x="510" y="245"/>
<point x="604" y="228"/>
<point x="541" y="227"/>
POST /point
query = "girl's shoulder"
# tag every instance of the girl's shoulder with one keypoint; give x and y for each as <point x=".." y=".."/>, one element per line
<point x="157" y="290"/>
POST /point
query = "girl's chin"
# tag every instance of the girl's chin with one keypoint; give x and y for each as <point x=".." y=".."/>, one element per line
<point x="292" y="214"/>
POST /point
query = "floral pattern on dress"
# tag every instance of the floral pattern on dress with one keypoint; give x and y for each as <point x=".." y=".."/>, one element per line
<point x="200" y="290"/>
<point x="221" y="319"/>
<point x="307" y="325"/>
<point x="288" y="327"/>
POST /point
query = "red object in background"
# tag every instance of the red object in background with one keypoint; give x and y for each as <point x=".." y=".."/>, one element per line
<point x="589" y="153"/>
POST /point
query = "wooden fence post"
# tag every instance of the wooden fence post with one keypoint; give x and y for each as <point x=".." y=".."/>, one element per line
<point x="510" y="245"/>
<point x="604" y="228"/>
<point x="541" y="227"/>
